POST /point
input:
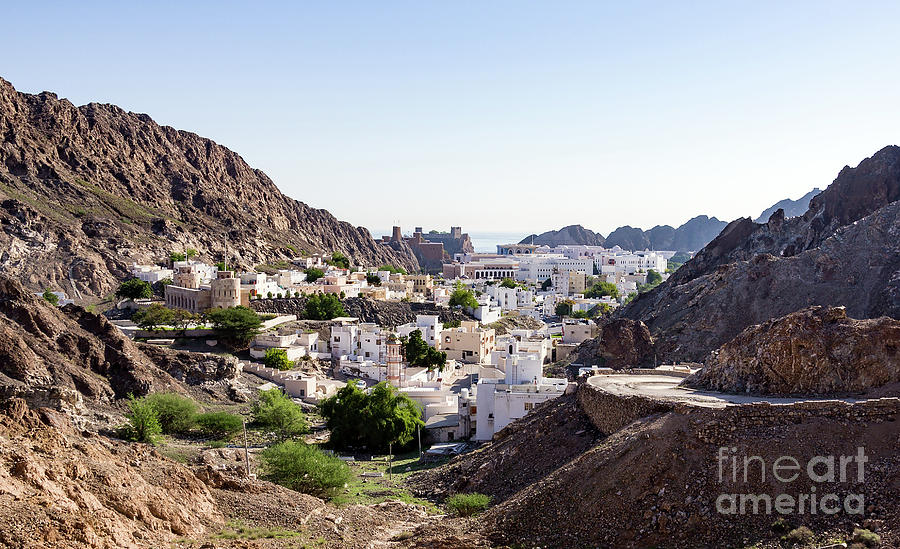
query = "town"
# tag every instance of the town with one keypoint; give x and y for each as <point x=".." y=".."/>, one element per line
<point x="522" y="308"/>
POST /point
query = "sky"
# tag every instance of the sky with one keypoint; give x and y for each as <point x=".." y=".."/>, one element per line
<point x="509" y="116"/>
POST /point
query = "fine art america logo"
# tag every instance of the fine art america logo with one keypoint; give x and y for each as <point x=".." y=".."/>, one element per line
<point x="827" y="472"/>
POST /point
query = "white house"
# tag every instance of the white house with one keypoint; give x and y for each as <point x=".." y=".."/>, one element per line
<point x="429" y="325"/>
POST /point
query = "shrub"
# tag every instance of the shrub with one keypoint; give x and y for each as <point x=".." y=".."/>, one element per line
<point x="799" y="535"/>
<point x="177" y="256"/>
<point x="466" y="505"/>
<point x="339" y="260"/>
<point x="51" y="298"/>
<point x="277" y="358"/>
<point x="463" y="297"/>
<point x="866" y="537"/>
<point x="219" y="425"/>
<point x="176" y="413"/>
<point x="143" y="422"/>
<point x="135" y="288"/>
<point x="305" y="469"/>
<point x="276" y="411"/>
<point x="392" y="269"/>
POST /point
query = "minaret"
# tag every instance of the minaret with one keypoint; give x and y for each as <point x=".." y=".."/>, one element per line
<point x="394" y="361"/>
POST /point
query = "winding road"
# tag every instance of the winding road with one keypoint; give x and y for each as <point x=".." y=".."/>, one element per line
<point x="665" y="387"/>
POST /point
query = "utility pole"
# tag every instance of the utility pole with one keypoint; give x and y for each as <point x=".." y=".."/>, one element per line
<point x="419" y="436"/>
<point x="225" y="261"/>
<point x="390" y="462"/>
<point x="246" y="452"/>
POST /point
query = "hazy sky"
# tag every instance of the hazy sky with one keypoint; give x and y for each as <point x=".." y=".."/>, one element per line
<point x="497" y="116"/>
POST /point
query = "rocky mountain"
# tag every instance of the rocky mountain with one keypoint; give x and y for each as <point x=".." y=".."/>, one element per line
<point x="86" y="191"/>
<point x="844" y="251"/>
<point x="792" y="208"/>
<point x="815" y="351"/>
<point x="573" y="234"/>
<point x="691" y="236"/>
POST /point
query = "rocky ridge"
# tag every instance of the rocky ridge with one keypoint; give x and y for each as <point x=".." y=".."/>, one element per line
<point x="86" y="191"/>
<point x="832" y="256"/>
<point x="792" y="208"/>
<point x="815" y="351"/>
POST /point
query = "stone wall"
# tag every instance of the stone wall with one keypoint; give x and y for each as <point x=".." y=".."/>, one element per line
<point x="609" y="412"/>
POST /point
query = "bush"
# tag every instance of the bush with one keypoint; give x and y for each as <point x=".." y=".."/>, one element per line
<point x="51" y="298"/>
<point x="799" y="535"/>
<point x="463" y="297"/>
<point x="392" y="269"/>
<point x="276" y="411"/>
<point x="219" y="425"/>
<point x="177" y="256"/>
<point x="866" y="537"/>
<point x="339" y="260"/>
<point x="305" y="469"/>
<point x="176" y="414"/>
<point x="466" y="505"/>
<point x="135" y="288"/>
<point x="277" y="358"/>
<point x="143" y="421"/>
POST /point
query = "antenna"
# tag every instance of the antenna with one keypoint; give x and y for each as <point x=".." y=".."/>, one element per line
<point x="225" y="262"/>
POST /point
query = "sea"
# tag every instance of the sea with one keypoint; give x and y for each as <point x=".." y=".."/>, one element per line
<point x="484" y="242"/>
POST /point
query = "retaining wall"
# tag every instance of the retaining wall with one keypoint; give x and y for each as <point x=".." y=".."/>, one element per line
<point x="609" y="412"/>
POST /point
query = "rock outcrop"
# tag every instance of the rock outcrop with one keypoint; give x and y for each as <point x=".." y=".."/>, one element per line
<point x="59" y="488"/>
<point x="77" y="362"/>
<point x="621" y="343"/>
<point x="384" y="313"/>
<point x="816" y="351"/>
<point x="85" y="191"/>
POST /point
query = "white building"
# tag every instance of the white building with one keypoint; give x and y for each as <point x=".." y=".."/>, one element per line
<point x="429" y="325"/>
<point x="151" y="273"/>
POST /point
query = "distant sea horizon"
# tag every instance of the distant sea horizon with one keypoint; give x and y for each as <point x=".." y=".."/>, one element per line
<point x="484" y="242"/>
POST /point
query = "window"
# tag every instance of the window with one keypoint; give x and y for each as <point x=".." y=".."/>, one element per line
<point x="337" y="339"/>
<point x="529" y="406"/>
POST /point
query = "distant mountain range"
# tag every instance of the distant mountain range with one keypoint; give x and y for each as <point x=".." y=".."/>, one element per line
<point x="792" y="208"/>
<point x="691" y="236"/>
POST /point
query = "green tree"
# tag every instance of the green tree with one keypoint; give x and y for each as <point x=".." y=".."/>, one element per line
<point x="51" y="298"/>
<point x="143" y="421"/>
<point x="220" y="425"/>
<point x="463" y="297"/>
<point x="190" y="253"/>
<point x="508" y="283"/>
<point x="373" y="280"/>
<point x="344" y="413"/>
<point x="177" y="256"/>
<point x="339" y="260"/>
<point x="277" y="358"/>
<point x="236" y="325"/>
<point x="153" y="316"/>
<point x="176" y="413"/>
<point x="419" y="353"/>
<point x="274" y="410"/>
<point x="305" y="469"/>
<point x="182" y="317"/>
<point x="221" y="266"/>
<point x="313" y="274"/>
<point x="601" y="289"/>
<point x="373" y="420"/>
<point x="135" y="288"/>
<point x="653" y="277"/>
<point x="564" y="308"/>
<point x="324" y="307"/>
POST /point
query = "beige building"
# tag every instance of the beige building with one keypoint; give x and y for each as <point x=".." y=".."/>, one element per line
<point x="422" y="284"/>
<point x="469" y="343"/>
<point x="186" y="293"/>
